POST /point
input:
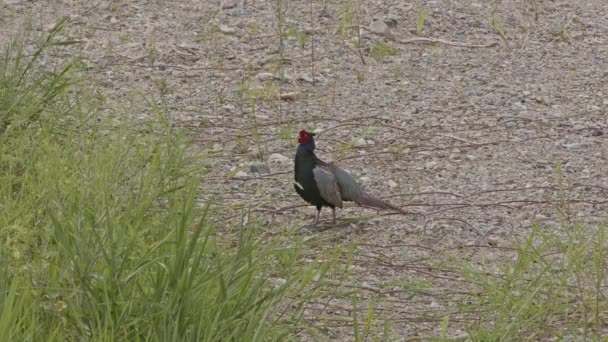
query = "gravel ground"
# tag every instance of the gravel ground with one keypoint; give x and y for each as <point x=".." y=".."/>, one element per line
<point x="475" y="142"/>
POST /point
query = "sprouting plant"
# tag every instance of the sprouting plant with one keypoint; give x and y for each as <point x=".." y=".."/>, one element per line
<point x="163" y="86"/>
<point x="152" y="52"/>
<point x="360" y="76"/>
<point x="381" y="50"/>
<point x="347" y="18"/>
<point x="563" y="35"/>
<point x="303" y="38"/>
<point x="498" y="27"/>
<point x="420" y="19"/>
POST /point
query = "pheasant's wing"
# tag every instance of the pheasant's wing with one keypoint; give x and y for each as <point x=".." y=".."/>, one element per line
<point x="328" y="187"/>
<point x="349" y="188"/>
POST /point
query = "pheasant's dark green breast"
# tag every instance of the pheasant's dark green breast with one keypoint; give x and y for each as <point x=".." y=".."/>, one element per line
<point x="305" y="163"/>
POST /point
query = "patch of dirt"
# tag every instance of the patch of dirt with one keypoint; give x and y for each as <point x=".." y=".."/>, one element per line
<point x="467" y="139"/>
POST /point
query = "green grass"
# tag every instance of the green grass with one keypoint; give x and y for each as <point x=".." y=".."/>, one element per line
<point x="421" y="15"/>
<point x="554" y="288"/>
<point x="381" y="50"/>
<point x="102" y="235"/>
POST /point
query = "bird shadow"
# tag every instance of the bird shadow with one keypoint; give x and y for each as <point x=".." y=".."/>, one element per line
<point x="341" y="223"/>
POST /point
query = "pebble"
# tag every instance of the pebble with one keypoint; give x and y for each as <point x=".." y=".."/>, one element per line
<point x="278" y="158"/>
<point x="291" y="96"/>
<point x="556" y="29"/>
<point x="392" y="183"/>
<point x="228" y="4"/>
<point x="379" y="27"/>
<point x="362" y="142"/>
<point x="263" y="76"/>
<point x="260" y="168"/>
<point x="229" y="107"/>
<point x="227" y="30"/>
<point x="241" y="174"/>
<point x="306" y="78"/>
<point x="493" y="241"/>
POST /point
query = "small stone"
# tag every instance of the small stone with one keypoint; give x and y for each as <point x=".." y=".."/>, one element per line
<point x="597" y="133"/>
<point x="306" y="78"/>
<point x="263" y="76"/>
<point x="360" y="143"/>
<point x="278" y="158"/>
<point x="260" y="168"/>
<point x="595" y="108"/>
<point x="278" y="282"/>
<point x="227" y="30"/>
<point x="228" y="107"/>
<point x="241" y="174"/>
<point x="572" y="146"/>
<point x="113" y="20"/>
<point x="556" y="29"/>
<point x="291" y="96"/>
<point x="364" y="179"/>
<point x="493" y="241"/>
<point x="392" y="183"/>
<point x="379" y="27"/>
<point x="471" y="157"/>
<point x="527" y="92"/>
<point x="228" y="4"/>
<point x="391" y="21"/>
<point x="511" y="124"/>
<point x="541" y="100"/>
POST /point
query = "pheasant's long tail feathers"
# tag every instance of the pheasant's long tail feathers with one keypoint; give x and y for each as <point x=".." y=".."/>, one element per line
<point x="368" y="200"/>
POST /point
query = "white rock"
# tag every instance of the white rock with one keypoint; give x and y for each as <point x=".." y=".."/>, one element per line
<point x="263" y="76"/>
<point x="227" y="30"/>
<point x="360" y="142"/>
<point x="228" y="4"/>
<point x="291" y="96"/>
<point x="278" y="158"/>
<point x="306" y="78"/>
<point x="430" y="165"/>
<point x="241" y="174"/>
<point x="380" y="27"/>
<point x="392" y="183"/>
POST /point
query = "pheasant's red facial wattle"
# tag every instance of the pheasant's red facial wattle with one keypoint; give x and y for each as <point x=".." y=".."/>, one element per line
<point x="304" y="137"/>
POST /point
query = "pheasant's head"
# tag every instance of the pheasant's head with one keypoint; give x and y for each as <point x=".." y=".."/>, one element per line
<point x="306" y="140"/>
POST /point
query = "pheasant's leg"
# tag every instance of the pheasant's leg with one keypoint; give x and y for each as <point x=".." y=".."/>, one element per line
<point x="317" y="217"/>
<point x="333" y="211"/>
